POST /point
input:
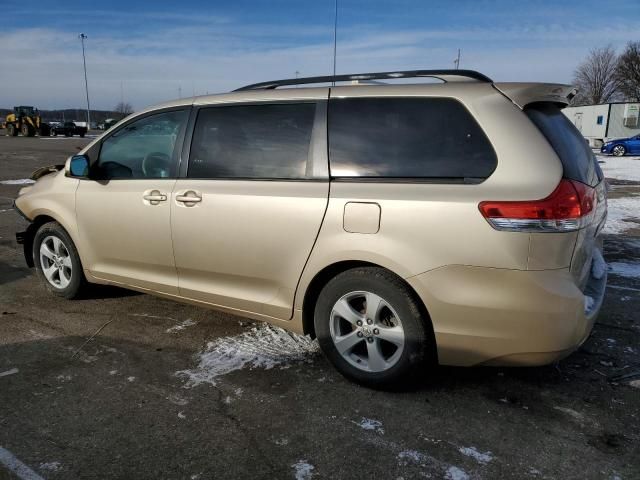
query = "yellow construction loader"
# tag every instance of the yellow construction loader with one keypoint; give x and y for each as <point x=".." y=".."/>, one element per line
<point x="26" y="120"/>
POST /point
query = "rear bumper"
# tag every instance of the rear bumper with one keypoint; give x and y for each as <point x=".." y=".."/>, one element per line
<point x="507" y="317"/>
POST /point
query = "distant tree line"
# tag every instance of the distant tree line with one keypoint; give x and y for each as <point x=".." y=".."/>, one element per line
<point x="604" y="76"/>
<point x="121" y="110"/>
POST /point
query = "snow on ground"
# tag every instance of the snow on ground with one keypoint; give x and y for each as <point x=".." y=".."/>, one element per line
<point x="479" y="457"/>
<point x="624" y="269"/>
<point x="623" y="214"/>
<point x="303" y="470"/>
<point x="371" y="424"/>
<point x="181" y="326"/>
<point x="19" y="181"/>
<point x="620" y="168"/>
<point x="264" y="346"/>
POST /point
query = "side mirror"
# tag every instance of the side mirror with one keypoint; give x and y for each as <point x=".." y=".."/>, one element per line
<point x="79" y="166"/>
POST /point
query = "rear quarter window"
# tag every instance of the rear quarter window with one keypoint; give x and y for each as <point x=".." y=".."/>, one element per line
<point x="407" y="138"/>
<point x="578" y="161"/>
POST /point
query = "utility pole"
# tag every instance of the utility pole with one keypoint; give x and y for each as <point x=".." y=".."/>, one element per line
<point x="179" y="92"/>
<point x="457" y="61"/>
<point x="297" y="73"/>
<point x="82" y="37"/>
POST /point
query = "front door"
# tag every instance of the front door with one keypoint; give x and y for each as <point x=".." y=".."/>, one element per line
<point x="124" y="209"/>
<point x="245" y="219"/>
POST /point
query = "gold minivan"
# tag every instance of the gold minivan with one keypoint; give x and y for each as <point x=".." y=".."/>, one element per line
<point x="401" y="224"/>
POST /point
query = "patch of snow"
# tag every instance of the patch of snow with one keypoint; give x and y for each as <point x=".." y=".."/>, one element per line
<point x="181" y="415"/>
<point x="455" y="473"/>
<point x="624" y="269"/>
<point x="20" y="181"/>
<point x="50" y="466"/>
<point x="12" y="371"/>
<point x="479" y="457"/>
<point x="598" y="265"/>
<point x="238" y="392"/>
<point x="412" y="456"/>
<point x="534" y="471"/>
<point x="282" y="441"/>
<point x="634" y="383"/>
<point x="113" y="372"/>
<point x="64" y="378"/>
<point x="621" y="213"/>
<point x="303" y="470"/>
<point x="131" y="379"/>
<point x="181" y="326"/>
<point x="264" y="346"/>
<point x="177" y="400"/>
<point x="620" y="168"/>
<point x="370" y="424"/>
<point x="227" y="400"/>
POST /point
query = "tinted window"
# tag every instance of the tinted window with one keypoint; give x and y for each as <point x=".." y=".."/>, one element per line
<point x="252" y="141"/>
<point x="144" y="148"/>
<point x="407" y="138"/>
<point x="578" y="161"/>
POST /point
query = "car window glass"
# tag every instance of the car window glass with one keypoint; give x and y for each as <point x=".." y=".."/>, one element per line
<point x="144" y="148"/>
<point x="252" y="141"/>
<point x="407" y="138"/>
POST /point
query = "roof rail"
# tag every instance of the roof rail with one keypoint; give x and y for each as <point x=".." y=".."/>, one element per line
<point x="444" y="75"/>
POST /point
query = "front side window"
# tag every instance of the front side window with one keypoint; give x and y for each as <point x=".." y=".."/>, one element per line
<point x="430" y="138"/>
<point x="145" y="148"/>
<point x="252" y="141"/>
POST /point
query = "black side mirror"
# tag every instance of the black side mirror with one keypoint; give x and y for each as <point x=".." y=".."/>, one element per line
<point x="79" y="166"/>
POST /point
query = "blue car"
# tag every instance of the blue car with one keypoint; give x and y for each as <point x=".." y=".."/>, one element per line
<point x="622" y="146"/>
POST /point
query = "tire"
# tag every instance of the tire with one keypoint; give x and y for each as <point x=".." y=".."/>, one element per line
<point x="618" y="151"/>
<point x="11" y="131"/>
<point x="384" y="351"/>
<point x="67" y="134"/>
<point x="55" y="252"/>
<point x="54" y="132"/>
<point x="82" y="135"/>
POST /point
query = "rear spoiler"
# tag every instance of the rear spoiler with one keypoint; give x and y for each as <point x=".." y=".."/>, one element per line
<point x="522" y="94"/>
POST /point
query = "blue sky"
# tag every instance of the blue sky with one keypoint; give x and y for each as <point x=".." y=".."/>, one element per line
<point x="148" y="52"/>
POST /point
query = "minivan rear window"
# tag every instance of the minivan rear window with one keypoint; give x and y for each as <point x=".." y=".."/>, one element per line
<point x="578" y="161"/>
<point x="407" y="138"/>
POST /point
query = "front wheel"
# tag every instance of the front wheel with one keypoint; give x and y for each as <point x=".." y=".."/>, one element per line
<point x="57" y="261"/>
<point x="618" y="151"/>
<point x="370" y="326"/>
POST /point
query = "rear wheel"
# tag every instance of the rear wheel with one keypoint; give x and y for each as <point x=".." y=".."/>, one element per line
<point x="370" y="326"/>
<point x="11" y="131"/>
<point x="57" y="261"/>
<point x="618" y="150"/>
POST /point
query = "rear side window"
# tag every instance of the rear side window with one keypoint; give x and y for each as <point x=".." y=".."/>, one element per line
<point x="429" y="138"/>
<point x="252" y="141"/>
<point x="578" y="161"/>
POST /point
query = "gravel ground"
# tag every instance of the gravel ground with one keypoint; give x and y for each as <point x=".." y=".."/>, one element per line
<point x="125" y="385"/>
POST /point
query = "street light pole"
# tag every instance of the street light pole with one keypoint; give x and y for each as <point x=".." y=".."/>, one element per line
<point x="82" y="36"/>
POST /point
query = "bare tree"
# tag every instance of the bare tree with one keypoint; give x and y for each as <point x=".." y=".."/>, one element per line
<point x="596" y="77"/>
<point x="628" y="71"/>
<point x="123" y="108"/>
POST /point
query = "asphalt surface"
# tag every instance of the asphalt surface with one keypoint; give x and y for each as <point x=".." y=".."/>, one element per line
<point x="89" y="389"/>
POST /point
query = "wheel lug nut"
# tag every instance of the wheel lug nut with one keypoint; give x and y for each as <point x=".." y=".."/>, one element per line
<point x="359" y="323"/>
<point x="370" y="339"/>
<point x="376" y="331"/>
<point x="360" y="334"/>
<point x="369" y="321"/>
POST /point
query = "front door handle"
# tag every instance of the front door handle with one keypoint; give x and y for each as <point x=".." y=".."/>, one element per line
<point x="154" y="197"/>
<point x="189" y="198"/>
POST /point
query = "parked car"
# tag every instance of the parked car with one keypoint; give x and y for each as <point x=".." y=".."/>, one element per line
<point x="622" y="146"/>
<point x="401" y="225"/>
<point x="68" y="129"/>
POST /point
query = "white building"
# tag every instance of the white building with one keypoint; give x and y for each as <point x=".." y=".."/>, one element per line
<point x="599" y="123"/>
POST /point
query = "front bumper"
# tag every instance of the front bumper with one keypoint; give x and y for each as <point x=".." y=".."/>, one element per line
<point x="506" y="317"/>
<point x="24" y="235"/>
<point x="606" y="149"/>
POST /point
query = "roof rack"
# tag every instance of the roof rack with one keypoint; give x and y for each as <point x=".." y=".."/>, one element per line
<point x="444" y="75"/>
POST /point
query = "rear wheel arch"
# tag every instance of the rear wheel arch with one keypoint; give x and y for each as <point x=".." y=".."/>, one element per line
<point x="323" y="277"/>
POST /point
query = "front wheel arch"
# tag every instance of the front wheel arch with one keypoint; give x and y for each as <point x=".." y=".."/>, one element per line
<point x="323" y="277"/>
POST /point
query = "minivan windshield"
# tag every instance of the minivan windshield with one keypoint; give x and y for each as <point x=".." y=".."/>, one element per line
<point x="577" y="158"/>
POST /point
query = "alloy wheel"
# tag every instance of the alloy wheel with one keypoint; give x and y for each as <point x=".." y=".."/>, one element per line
<point x="55" y="262"/>
<point x="367" y="331"/>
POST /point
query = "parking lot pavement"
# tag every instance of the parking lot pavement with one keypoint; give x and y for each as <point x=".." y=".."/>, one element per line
<point x="126" y="385"/>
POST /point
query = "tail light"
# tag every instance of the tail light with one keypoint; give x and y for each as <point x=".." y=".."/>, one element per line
<point x="570" y="207"/>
